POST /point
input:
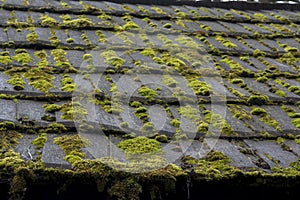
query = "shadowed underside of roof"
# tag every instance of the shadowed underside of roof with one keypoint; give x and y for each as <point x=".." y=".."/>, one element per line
<point x="99" y="89"/>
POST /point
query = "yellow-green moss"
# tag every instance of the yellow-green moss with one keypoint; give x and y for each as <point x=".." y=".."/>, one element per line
<point x="22" y="56"/>
<point x="258" y="99"/>
<point x="147" y="93"/>
<point x="199" y="87"/>
<point x="40" y="140"/>
<point x="67" y="84"/>
<point x="175" y="122"/>
<point x="51" y="108"/>
<point x="17" y="82"/>
<point x="139" y="145"/>
<point x="32" y="37"/>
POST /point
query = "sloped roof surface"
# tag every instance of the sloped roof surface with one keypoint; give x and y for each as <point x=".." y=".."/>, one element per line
<point x="191" y="78"/>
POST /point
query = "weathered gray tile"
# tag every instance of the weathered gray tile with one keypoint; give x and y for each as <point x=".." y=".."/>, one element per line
<point x="8" y="110"/>
<point x="272" y="153"/>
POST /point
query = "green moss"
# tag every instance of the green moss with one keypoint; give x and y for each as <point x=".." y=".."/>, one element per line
<point x="73" y="110"/>
<point x="70" y="40"/>
<point x="167" y="25"/>
<point x="225" y="42"/>
<point x="280" y="93"/>
<point x="280" y="140"/>
<point x="295" y="89"/>
<point x="147" y="93"/>
<point x="258" y="111"/>
<point x="67" y="84"/>
<point x="175" y="122"/>
<point x="262" y="79"/>
<point x="22" y="57"/>
<point x="258" y="52"/>
<point x="82" y="21"/>
<point x="217" y="121"/>
<point x="70" y="143"/>
<point x="148" y="52"/>
<point x="199" y="87"/>
<point x="124" y="124"/>
<point x="40" y="140"/>
<point x="189" y="112"/>
<point x="32" y="37"/>
<point x="264" y="117"/>
<point x="258" y="99"/>
<point x="48" y="118"/>
<point x="48" y="21"/>
<point x="56" y="128"/>
<point x="237" y="81"/>
<point x="112" y="58"/>
<point x="162" y="138"/>
<point x="17" y="83"/>
<point x="51" y="108"/>
<point x="139" y="145"/>
<point x="41" y="54"/>
<point x="130" y="25"/>
<point x="148" y="128"/>
<point x="5" y="59"/>
<point x="202" y="127"/>
<point x="135" y="104"/>
<point x="296" y="122"/>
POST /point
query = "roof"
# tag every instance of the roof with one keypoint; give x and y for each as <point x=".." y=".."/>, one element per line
<point x="195" y="93"/>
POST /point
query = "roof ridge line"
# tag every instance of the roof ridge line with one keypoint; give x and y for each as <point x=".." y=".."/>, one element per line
<point x="226" y="5"/>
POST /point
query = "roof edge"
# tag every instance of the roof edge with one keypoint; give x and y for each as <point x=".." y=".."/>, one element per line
<point x="226" y="5"/>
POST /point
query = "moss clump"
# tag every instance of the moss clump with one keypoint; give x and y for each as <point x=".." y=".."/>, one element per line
<point x="67" y="84"/>
<point x="48" y="21"/>
<point x="296" y="122"/>
<point x="51" y="108"/>
<point x="148" y="52"/>
<point x="258" y="111"/>
<point x="69" y="143"/>
<point x="169" y="81"/>
<point x="135" y="104"/>
<point x="32" y="37"/>
<point x="139" y="145"/>
<point x="141" y="112"/>
<point x="295" y="89"/>
<point x="175" y="122"/>
<point x="56" y="128"/>
<point x="81" y="22"/>
<point x="167" y="25"/>
<point x="262" y="79"/>
<point x="112" y="58"/>
<point x="17" y="83"/>
<point x="5" y="59"/>
<point x="22" y="56"/>
<point x="148" y="128"/>
<point x="189" y="112"/>
<point x="124" y="124"/>
<point x="218" y="122"/>
<point x="40" y="140"/>
<point x="237" y="81"/>
<point x="70" y="40"/>
<point x="73" y="111"/>
<point x="147" y="93"/>
<point x="258" y="99"/>
<point x="264" y="117"/>
<point x="199" y="87"/>
<point x="162" y="138"/>
<point x="130" y="25"/>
